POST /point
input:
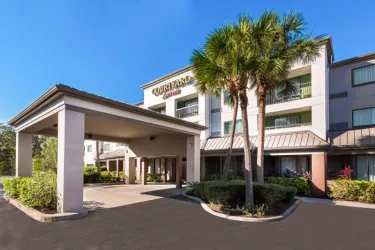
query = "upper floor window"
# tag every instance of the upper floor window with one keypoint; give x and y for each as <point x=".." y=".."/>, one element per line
<point x="89" y="148"/>
<point x="290" y="120"/>
<point x="187" y="108"/>
<point x="228" y="127"/>
<point x="107" y="147"/>
<point x="364" y="117"/>
<point x="363" y="75"/>
<point x="160" y="110"/>
<point x="120" y="144"/>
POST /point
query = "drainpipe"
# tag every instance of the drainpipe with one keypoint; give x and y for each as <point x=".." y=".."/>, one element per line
<point x="326" y="160"/>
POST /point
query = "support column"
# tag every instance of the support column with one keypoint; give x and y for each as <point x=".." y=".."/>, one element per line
<point x="318" y="172"/>
<point x="164" y="170"/>
<point x="24" y="154"/>
<point x="178" y="172"/>
<point x="138" y="169"/>
<point x="144" y="162"/>
<point x="193" y="156"/>
<point x="129" y="169"/>
<point x="117" y="166"/>
<point x="203" y="166"/>
<point x="71" y="129"/>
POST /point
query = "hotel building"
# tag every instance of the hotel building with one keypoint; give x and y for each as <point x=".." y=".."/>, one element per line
<point x="328" y="124"/>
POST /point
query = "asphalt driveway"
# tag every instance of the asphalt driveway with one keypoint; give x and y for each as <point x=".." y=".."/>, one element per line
<point x="175" y="223"/>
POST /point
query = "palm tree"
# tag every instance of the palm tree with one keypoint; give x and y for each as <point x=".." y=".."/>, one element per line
<point x="223" y="63"/>
<point x="276" y="43"/>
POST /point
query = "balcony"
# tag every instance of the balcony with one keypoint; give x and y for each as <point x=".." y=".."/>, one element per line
<point x="289" y="126"/>
<point x="303" y="91"/>
<point x="187" y="111"/>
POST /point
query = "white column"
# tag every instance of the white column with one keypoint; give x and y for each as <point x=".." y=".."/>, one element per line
<point x="138" y="170"/>
<point x="129" y="168"/>
<point x="71" y="129"/>
<point x="193" y="156"/>
<point x="24" y="154"/>
<point x="170" y="107"/>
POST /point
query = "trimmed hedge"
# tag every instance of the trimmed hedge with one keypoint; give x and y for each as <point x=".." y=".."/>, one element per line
<point x="39" y="191"/>
<point x="300" y="183"/>
<point x="153" y="177"/>
<point x="353" y="190"/>
<point x="232" y="193"/>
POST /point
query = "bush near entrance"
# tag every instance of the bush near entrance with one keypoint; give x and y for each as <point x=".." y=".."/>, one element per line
<point x="353" y="190"/>
<point x="91" y="175"/>
<point x="39" y="191"/>
<point x="300" y="183"/>
<point x="232" y="193"/>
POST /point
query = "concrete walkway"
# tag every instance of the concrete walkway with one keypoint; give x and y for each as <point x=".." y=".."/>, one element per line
<point x="1" y="190"/>
<point x="111" y="196"/>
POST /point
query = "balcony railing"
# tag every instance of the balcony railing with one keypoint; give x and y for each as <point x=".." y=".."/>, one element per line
<point x="289" y="126"/>
<point x="303" y="91"/>
<point x="187" y="111"/>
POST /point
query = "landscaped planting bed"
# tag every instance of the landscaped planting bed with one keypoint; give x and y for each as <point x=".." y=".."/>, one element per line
<point x="353" y="190"/>
<point x="91" y="175"/>
<point x="228" y="197"/>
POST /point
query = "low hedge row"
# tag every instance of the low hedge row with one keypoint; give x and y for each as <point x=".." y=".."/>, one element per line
<point x="232" y="193"/>
<point x="105" y="176"/>
<point x="353" y="190"/>
<point x="300" y="183"/>
<point x="39" y="191"/>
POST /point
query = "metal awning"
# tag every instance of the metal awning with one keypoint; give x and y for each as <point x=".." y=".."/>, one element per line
<point x="284" y="141"/>
<point x="353" y="138"/>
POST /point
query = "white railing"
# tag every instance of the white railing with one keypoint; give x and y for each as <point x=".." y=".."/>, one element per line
<point x="289" y="126"/>
<point x="303" y="91"/>
<point x="187" y="111"/>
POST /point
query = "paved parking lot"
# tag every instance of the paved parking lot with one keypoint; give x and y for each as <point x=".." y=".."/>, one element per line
<point x="175" y="223"/>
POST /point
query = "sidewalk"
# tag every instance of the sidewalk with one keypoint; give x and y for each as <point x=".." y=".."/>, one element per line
<point x="338" y="202"/>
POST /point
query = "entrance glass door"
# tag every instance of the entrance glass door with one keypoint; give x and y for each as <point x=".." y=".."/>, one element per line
<point x="366" y="167"/>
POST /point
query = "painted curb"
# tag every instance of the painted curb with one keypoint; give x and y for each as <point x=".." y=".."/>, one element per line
<point x="36" y="215"/>
<point x="245" y="219"/>
<point x="338" y="202"/>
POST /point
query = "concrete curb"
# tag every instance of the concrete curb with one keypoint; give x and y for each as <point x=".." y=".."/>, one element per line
<point x="338" y="202"/>
<point x="36" y="215"/>
<point x="245" y="219"/>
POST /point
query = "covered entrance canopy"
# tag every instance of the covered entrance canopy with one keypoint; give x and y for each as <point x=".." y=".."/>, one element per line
<point x="72" y="116"/>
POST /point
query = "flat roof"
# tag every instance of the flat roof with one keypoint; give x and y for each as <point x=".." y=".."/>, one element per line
<point x="61" y="90"/>
<point x="355" y="59"/>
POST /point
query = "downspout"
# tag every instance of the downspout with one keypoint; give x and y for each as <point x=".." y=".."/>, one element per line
<point x="326" y="161"/>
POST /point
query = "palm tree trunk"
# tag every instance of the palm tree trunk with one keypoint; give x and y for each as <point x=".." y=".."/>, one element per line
<point x="249" y="200"/>
<point x="98" y="160"/>
<point x="261" y="115"/>
<point x="233" y="132"/>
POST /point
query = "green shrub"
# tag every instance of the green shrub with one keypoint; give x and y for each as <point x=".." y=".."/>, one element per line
<point x="91" y="177"/>
<point x="300" y="183"/>
<point x="219" y="177"/>
<point x="232" y="193"/>
<point x="37" y="164"/>
<point x="103" y="168"/>
<point x="11" y="186"/>
<point x="153" y="177"/>
<point x="353" y="190"/>
<point x="39" y="191"/>
<point x="107" y="177"/>
<point x="87" y="169"/>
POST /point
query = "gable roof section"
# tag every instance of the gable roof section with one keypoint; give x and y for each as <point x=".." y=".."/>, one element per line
<point x="364" y="57"/>
<point x="118" y="153"/>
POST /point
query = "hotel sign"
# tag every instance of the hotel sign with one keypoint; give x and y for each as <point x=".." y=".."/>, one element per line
<point x="172" y="88"/>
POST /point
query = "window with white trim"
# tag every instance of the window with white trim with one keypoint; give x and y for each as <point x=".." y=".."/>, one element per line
<point x="89" y="148"/>
<point x="228" y="127"/>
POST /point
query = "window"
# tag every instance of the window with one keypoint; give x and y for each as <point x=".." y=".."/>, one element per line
<point x="188" y="103"/>
<point x="89" y="148"/>
<point x="160" y="110"/>
<point x="289" y="162"/>
<point x="120" y="144"/>
<point x="107" y="147"/>
<point x="363" y="117"/>
<point x="363" y="75"/>
<point x="228" y="127"/>
<point x="366" y="168"/>
<point x="288" y="120"/>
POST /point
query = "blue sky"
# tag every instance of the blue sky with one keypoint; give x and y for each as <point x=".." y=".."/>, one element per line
<point x="112" y="47"/>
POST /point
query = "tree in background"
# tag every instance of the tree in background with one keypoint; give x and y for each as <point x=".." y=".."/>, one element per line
<point x="38" y="145"/>
<point x="49" y="154"/>
<point x="7" y="150"/>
